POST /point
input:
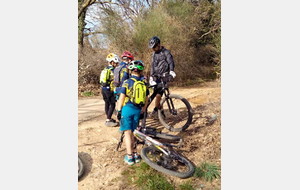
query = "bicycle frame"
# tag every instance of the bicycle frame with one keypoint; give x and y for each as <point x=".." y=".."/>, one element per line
<point x="166" y="92"/>
<point x="149" y="141"/>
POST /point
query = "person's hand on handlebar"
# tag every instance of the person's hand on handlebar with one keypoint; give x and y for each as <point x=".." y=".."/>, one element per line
<point x="152" y="82"/>
<point x="173" y="74"/>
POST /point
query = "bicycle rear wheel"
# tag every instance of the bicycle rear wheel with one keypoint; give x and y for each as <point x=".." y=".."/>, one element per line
<point x="177" y="166"/>
<point x="80" y="168"/>
<point x="179" y="118"/>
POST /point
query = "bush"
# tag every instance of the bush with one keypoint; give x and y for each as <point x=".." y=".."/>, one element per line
<point x="88" y="94"/>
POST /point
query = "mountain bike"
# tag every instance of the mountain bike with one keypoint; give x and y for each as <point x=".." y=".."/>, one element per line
<point x="162" y="157"/>
<point x="175" y="112"/>
<point x="80" y="167"/>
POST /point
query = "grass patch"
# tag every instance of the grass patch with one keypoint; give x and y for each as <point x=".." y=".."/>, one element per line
<point x="149" y="179"/>
<point x="87" y="94"/>
<point x="186" y="186"/>
<point x="146" y="178"/>
<point x="207" y="171"/>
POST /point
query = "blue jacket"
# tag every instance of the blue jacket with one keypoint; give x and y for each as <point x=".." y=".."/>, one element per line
<point x="129" y="84"/>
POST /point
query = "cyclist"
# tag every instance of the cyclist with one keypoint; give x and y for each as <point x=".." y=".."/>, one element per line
<point x="108" y="93"/>
<point x="161" y="62"/>
<point x="131" y="113"/>
<point x="127" y="57"/>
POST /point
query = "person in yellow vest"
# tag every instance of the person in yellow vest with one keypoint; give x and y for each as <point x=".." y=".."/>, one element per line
<point x="108" y="91"/>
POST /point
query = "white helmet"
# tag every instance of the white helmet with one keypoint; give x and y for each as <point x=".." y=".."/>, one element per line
<point x="113" y="57"/>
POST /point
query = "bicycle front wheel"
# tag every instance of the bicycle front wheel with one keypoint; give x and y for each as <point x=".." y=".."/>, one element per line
<point x="175" y="165"/>
<point x="80" y="168"/>
<point x="179" y="116"/>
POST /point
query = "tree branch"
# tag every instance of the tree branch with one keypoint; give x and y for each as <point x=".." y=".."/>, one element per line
<point x="208" y="33"/>
<point x="85" y="5"/>
<point x="92" y="33"/>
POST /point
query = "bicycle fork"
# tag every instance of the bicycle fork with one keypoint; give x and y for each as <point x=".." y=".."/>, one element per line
<point x="170" y="104"/>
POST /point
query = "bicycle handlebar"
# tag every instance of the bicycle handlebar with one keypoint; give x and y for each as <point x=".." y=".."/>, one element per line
<point x="164" y="75"/>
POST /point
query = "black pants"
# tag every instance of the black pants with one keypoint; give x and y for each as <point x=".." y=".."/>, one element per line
<point x="110" y="102"/>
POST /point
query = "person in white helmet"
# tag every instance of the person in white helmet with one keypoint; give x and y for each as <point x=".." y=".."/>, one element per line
<point x="108" y="91"/>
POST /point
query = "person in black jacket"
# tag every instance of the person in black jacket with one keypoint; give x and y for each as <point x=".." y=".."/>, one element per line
<point x="161" y="62"/>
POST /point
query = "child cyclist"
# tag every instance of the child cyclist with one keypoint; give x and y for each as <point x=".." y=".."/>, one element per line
<point x="131" y="112"/>
<point x="107" y="91"/>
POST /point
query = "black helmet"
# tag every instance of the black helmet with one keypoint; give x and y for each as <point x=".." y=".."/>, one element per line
<point x="153" y="42"/>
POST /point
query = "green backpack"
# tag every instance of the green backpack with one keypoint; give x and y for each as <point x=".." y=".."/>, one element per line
<point x="138" y="97"/>
<point x="105" y="79"/>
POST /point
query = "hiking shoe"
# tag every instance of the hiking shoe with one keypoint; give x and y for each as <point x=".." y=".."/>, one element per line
<point x="137" y="158"/>
<point x="129" y="161"/>
<point x="111" y="123"/>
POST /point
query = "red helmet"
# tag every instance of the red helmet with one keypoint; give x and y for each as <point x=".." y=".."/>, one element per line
<point x="127" y="54"/>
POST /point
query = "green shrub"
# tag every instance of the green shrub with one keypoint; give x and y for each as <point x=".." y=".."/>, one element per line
<point x="87" y="93"/>
<point x="207" y="171"/>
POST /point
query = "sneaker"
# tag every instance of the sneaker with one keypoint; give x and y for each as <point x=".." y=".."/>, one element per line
<point x="113" y="120"/>
<point x="154" y="114"/>
<point x="111" y="123"/>
<point x="137" y="158"/>
<point x="129" y="161"/>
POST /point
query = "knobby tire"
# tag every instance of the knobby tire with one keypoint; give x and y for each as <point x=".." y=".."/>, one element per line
<point x="157" y="167"/>
<point x="80" y="168"/>
<point x="190" y="113"/>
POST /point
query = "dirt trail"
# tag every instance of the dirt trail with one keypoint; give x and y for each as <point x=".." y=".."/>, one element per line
<point x="97" y="142"/>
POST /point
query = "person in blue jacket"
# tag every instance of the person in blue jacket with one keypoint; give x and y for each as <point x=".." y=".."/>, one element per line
<point x="130" y="114"/>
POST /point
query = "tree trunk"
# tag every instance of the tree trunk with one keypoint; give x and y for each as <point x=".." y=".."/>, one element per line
<point x="81" y="24"/>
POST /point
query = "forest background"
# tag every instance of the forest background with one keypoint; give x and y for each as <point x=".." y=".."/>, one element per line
<point x="191" y="30"/>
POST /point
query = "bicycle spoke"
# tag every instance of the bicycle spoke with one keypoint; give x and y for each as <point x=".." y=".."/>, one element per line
<point x="178" y="116"/>
<point x="162" y="160"/>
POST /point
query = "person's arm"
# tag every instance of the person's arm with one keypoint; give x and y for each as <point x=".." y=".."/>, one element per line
<point x="122" y="91"/>
<point x="145" y="106"/>
<point x="169" y="59"/>
<point x="152" y="65"/>
<point x="121" y="101"/>
<point x="146" y="103"/>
